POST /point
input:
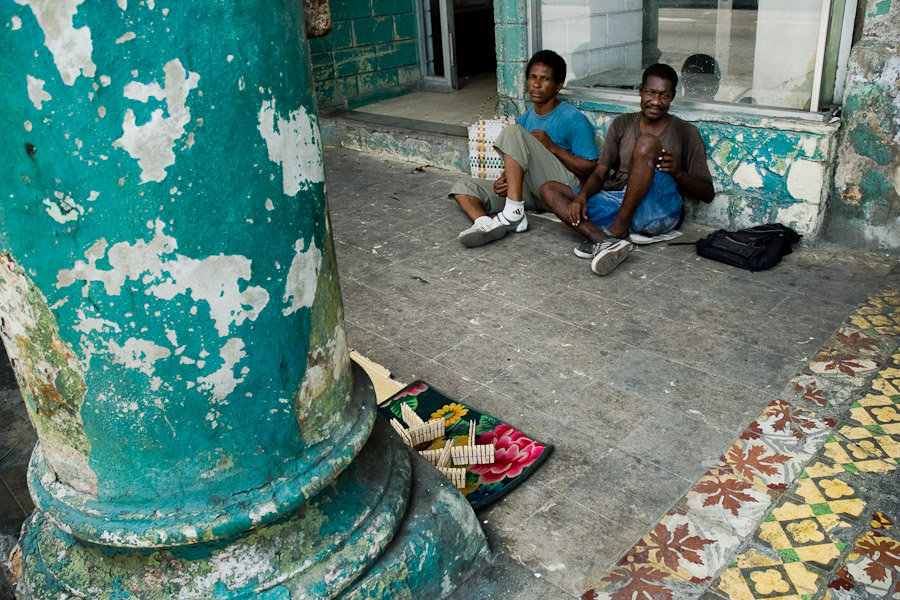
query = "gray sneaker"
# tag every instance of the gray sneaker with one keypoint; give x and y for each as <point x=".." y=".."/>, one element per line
<point x="585" y="249"/>
<point x="608" y="254"/>
<point x="489" y="229"/>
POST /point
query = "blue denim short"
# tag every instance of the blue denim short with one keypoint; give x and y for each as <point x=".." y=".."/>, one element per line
<point x="659" y="212"/>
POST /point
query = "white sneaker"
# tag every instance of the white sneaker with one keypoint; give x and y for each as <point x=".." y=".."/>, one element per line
<point x="489" y="229"/>
<point x="608" y="254"/>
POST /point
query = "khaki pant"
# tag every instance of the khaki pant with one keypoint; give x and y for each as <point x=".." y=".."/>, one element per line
<point x="539" y="164"/>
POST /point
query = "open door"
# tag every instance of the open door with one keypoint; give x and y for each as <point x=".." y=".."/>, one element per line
<point x="438" y="42"/>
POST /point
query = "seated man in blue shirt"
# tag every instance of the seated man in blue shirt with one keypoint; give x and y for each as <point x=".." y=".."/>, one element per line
<point x="550" y="142"/>
<point x="648" y="161"/>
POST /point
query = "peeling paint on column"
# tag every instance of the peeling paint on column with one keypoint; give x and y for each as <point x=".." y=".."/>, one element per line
<point x="214" y="280"/>
<point x="71" y="47"/>
<point x="295" y="144"/>
<point x="36" y="92"/>
<point x="50" y="375"/>
<point x="152" y="143"/>
<point x="300" y="284"/>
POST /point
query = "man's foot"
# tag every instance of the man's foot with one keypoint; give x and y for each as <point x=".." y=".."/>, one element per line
<point x="637" y="238"/>
<point x="585" y="249"/>
<point x="489" y="229"/>
<point x="608" y="254"/>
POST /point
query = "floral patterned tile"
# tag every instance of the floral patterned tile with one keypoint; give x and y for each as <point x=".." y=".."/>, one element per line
<point x="880" y="313"/>
<point x="677" y="559"/>
<point x="771" y="452"/>
<point x="810" y="533"/>
<point x="851" y="369"/>
<point x="727" y="501"/>
<point x="756" y="575"/>
<point x="872" y="568"/>
<point x="819" y="392"/>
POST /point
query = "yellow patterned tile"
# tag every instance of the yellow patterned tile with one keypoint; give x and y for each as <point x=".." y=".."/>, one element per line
<point x="884" y="385"/>
<point x="839" y="497"/>
<point x="821" y="469"/>
<point x="823" y="554"/>
<point x="754" y="576"/>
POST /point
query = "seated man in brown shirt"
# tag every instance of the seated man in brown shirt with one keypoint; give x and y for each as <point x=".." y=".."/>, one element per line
<point x="649" y="159"/>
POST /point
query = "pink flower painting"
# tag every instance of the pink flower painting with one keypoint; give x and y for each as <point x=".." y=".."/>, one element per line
<point x="513" y="451"/>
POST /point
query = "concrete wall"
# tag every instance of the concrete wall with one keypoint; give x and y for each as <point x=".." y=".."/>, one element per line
<point x="371" y="53"/>
<point x="865" y="202"/>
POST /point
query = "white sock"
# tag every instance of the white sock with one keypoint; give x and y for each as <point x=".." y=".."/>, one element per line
<point x="514" y="210"/>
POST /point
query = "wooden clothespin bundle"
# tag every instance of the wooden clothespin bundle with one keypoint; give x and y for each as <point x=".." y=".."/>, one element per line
<point x="469" y="454"/>
<point x="417" y="431"/>
<point x="456" y="475"/>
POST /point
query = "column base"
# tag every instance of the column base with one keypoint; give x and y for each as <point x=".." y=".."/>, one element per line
<point x="390" y="526"/>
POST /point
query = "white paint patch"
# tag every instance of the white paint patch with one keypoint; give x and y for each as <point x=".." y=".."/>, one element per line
<point x="15" y="23"/>
<point x="222" y="382"/>
<point x="747" y="176"/>
<point x="257" y="513"/>
<point x="294" y="144"/>
<point x="27" y="125"/>
<point x="803" y="217"/>
<point x="63" y="208"/>
<point x="805" y="180"/>
<point x="215" y="280"/>
<point x="269" y="205"/>
<point x="71" y="47"/>
<point x="36" y="92"/>
<point x="105" y="80"/>
<point x="137" y="354"/>
<point x="152" y="143"/>
<point x="123" y="4"/>
<point x="302" y="278"/>
<point x="126" y="37"/>
<point x="88" y="324"/>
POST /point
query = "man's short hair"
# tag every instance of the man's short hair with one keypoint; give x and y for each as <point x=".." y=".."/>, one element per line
<point x="552" y="60"/>
<point x="662" y="71"/>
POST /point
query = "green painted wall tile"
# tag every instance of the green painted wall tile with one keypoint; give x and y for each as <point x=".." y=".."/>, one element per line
<point x="392" y="7"/>
<point x="380" y="80"/>
<point x="511" y="79"/>
<point x="320" y="44"/>
<point x="373" y="30"/>
<point x="354" y="61"/>
<point x="322" y="64"/>
<point x="350" y="9"/>
<point x="342" y="34"/>
<point x="406" y="27"/>
<point x="410" y="75"/>
<point x="397" y="54"/>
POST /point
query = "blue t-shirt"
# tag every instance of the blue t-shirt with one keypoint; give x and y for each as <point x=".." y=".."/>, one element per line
<point x="566" y="126"/>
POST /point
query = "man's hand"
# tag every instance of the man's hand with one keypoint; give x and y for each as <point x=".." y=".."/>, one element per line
<point x="667" y="164"/>
<point x="500" y="186"/>
<point x="544" y="139"/>
<point x="577" y="210"/>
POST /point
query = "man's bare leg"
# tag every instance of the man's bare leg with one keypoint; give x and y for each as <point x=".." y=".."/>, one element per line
<point x="470" y="205"/>
<point x="558" y="197"/>
<point x="647" y="149"/>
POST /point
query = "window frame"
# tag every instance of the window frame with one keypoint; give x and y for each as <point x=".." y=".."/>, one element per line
<point x="833" y="45"/>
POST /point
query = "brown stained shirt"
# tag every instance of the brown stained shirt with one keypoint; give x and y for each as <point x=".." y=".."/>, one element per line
<point x="680" y="138"/>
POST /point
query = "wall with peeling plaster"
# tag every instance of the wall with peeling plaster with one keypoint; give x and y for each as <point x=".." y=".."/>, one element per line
<point x="865" y="199"/>
<point x="371" y="53"/>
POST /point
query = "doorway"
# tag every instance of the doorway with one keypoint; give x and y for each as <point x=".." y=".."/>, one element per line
<point x="457" y="41"/>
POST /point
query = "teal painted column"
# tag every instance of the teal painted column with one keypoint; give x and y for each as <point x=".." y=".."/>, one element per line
<point x="169" y="300"/>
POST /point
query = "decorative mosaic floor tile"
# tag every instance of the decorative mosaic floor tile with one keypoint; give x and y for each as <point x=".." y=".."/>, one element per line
<point x="802" y="532"/>
<point x="753" y="575"/>
<point x="799" y="525"/>
<point x="773" y="449"/>
<point x="872" y="569"/>
<point x="677" y="558"/>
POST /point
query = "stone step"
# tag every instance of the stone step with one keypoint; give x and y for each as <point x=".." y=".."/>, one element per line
<point x="435" y="144"/>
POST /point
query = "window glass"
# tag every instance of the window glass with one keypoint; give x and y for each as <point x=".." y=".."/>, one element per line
<point x="741" y="51"/>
